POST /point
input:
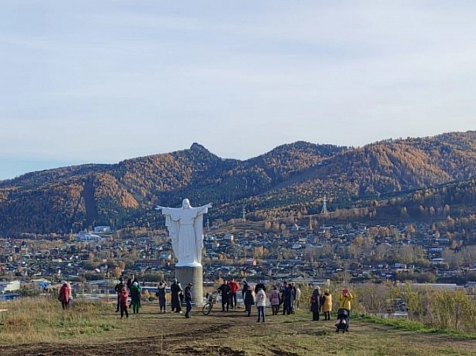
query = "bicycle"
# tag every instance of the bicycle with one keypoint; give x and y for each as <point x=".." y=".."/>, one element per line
<point x="211" y="299"/>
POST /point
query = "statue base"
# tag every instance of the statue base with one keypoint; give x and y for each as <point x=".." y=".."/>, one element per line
<point x="187" y="274"/>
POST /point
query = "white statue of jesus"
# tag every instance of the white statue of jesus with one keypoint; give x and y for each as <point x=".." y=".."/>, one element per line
<point x="185" y="227"/>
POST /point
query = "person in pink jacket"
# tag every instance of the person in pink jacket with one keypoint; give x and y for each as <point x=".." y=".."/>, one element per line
<point x="274" y="300"/>
<point x="124" y="302"/>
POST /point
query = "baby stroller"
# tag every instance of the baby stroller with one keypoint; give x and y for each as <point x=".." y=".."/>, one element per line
<point x="342" y="323"/>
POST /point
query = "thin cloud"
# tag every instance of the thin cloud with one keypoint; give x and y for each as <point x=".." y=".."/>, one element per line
<point x="104" y="81"/>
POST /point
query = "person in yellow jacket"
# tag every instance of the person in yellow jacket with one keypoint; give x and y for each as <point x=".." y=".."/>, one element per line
<point x="345" y="302"/>
<point x="327" y="304"/>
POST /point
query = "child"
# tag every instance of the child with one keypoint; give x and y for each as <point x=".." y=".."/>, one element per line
<point x="123" y="302"/>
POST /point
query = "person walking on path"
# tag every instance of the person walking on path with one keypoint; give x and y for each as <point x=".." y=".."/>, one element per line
<point x="188" y="299"/>
<point x="135" y="297"/>
<point x="326" y="302"/>
<point x="175" y="290"/>
<point x="261" y="304"/>
<point x="316" y="303"/>
<point x="275" y="300"/>
<point x="118" y="290"/>
<point x="123" y="302"/>
<point x="161" y="296"/>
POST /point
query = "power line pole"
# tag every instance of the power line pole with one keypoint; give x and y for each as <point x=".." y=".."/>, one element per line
<point x="324" y="205"/>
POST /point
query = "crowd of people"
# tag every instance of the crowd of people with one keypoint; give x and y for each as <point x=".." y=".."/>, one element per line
<point x="283" y="298"/>
<point x="131" y="290"/>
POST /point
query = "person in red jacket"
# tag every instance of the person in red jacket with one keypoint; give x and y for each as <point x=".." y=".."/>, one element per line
<point x="233" y="289"/>
<point x="123" y="302"/>
<point x="64" y="295"/>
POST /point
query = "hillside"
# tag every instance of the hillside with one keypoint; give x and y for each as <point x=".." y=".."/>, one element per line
<point x="299" y="174"/>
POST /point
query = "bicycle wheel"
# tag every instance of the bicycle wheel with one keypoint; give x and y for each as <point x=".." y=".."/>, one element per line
<point x="207" y="308"/>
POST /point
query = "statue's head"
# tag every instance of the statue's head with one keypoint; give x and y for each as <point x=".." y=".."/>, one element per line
<point x="186" y="204"/>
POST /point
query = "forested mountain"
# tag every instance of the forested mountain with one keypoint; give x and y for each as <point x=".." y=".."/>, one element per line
<point x="385" y="167"/>
<point x="299" y="174"/>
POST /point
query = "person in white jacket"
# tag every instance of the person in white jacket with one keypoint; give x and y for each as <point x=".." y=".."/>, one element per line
<point x="261" y="303"/>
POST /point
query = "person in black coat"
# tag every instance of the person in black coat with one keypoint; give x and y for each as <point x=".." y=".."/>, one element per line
<point x="246" y="286"/>
<point x="118" y="290"/>
<point x="316" y="303"/>
<point x="161" y="290"/>
<point x="249" y="300"/>
<point x="286" y="298"/>
<point x="225" y="296"/>
<point x="175" y="291"/>
<point x="188" y="299"/>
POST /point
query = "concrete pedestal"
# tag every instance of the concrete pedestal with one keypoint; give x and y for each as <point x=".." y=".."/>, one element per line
<point x="193" y="274"/>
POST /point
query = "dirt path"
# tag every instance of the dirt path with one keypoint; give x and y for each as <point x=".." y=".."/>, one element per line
<point x="234" y="334"/>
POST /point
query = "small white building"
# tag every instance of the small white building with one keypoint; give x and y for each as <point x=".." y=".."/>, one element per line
<point x="11" y="286"/>
<point x="102" y="230"/>
<point x="85" y="236"/>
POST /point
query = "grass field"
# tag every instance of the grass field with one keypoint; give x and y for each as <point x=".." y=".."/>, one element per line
<point x="40" y="327"/>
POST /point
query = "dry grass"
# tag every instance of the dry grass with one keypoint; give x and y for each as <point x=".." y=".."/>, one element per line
<point x="39" y="326"/>
<point x="43" y="320"/>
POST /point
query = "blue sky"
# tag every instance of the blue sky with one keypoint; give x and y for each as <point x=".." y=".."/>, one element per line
<point x="103" y="81"/>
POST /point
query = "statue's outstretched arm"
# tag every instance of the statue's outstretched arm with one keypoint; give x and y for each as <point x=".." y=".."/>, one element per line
<point x="202" y="208"/>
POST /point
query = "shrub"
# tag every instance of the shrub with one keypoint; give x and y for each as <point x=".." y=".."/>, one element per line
<point x="440" y="309"/>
